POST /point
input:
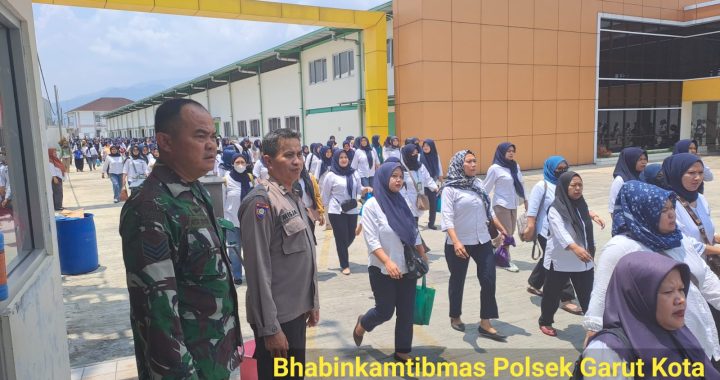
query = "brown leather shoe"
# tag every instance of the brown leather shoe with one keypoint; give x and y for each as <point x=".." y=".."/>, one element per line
<point x="357" y="338"/>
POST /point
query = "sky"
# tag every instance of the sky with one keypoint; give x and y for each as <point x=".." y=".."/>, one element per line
<point x="85" y="50"/>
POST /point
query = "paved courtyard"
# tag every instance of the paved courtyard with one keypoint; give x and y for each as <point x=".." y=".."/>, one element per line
<point x="97" y="308"/>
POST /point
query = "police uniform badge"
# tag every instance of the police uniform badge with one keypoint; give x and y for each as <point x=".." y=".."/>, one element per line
<point x="261" y="210"/>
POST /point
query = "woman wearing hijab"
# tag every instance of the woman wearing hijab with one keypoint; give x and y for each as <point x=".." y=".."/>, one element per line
<point x="542" y="196"/>
<point x="417" y="178"/>
<point x="391" y="147"/>
<point x="57" y="173"/>
<point x="365" y="161"/>
<point x="430" y="159"/>
<point x="79" y="158"/>
<point x="504" y="179"/>
<point x="135" y="170"/>
<point x="570" y="249"/>
<point x="226" y="162"/>
<point x="647" y="223"/>
<point x="256" y="150"/>
<point x="238" y="183"/>
<point x="388" y="226"/>
<point x="691" y="146"/>
<point x="684" y="175"/>
<point x="347" y="147"/>
<point x="145" y="152"/>
<point x="466" y="215"/>
<point x="305" y="151"/>
<point x="313" y="157"/>
<point x="340" y="187"/>
<point x="377" y="147"/>
<point x="630" y="164"/>
<point x="114" y="166"/>
<point x="307" y="189"/>
<point x="321" y="167"/>
<point x="647" y="298"/>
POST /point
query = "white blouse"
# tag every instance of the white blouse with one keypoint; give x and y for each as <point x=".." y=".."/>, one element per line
<point x="536" y="196"/>
<point x="379" y="234"/>
<point x="334" y="191"/>
<point x="500" y="180"/>
<point x="615" y="187"/>
<point x="464" y="211"/>
<point x="601" y="353"/>
<point x="562" y="234"/>
<point x="113" y="165"/>
<point x="391" y="152"/>
<point x="688" y="227"/>
<point x="136" y="170"/>
<point x="360" y="163"/>
<point x="233" y="199"/>
<point x="697" y="317"/>
<point x="413" y="180"/>
<point x="260" y="171"/>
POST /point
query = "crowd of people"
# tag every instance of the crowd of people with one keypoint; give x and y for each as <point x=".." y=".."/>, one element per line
<point x="651" y="291"/>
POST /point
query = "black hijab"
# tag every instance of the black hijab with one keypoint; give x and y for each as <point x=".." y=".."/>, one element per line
<point x="574" y="211"/>
<point x="625" y="166"/>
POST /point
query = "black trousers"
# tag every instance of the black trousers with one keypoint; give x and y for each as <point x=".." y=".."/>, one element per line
<point x="392" y="295"/>
<point x="537" y="277"/>
<point x="344" y="231"/>
<point x="79" y="164"/>
<point x="57" y="193"/>
<point x="432" y="196"/>
<point x="484" y="259"/>
<point x="554" y="282"/>
<point x="295" y="333"/>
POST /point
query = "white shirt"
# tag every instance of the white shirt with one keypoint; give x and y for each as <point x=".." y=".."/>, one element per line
<point x="334" y="191"/>
<point x="413" y="180"/>
<point x="315" y="166"/>
<point x="465" y="211"/>
<point x="391" y="152"/>
<point x="536" y="195"/>
<point x="562" y="235"/>
<point x="260" y="171"/>
<point x="601" y="353"/>
<point x="688" y="227"/>
<point x="233" y="198"/>
<point x="114" y="165"/>
<point x="500" y="180"/>
<point x="306" y="199"/>
<point x="614" y="190"/>
<point x="697" y="316"/>
<point x="708" y="174"/>
<point x="136" y="170"/>
<point x="379" y="234"/>
<point x="151" y="160"/>
<point x="360" y="163"/>
<point x="54" y="171"/>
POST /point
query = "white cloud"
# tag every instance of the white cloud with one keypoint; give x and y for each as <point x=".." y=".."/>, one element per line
<point x="87" y="50"/>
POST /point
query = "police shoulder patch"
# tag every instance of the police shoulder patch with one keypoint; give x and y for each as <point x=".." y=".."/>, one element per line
<point x="261" y="210"/>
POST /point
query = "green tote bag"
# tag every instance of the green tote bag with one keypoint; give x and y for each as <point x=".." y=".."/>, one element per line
<point x="424" y="298"/>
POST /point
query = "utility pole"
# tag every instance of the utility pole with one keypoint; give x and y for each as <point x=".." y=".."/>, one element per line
<point x="59" y="115"/>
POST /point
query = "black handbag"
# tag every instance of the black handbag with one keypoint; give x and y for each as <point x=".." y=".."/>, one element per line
<point x="348" y="205"/>
<point x="417" y="267"/>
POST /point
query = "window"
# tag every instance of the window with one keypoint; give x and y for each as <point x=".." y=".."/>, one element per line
<point x="389" y="47"/>
<point x="343" y="64"/>
<point x="318" y="71"/>
<point x="228" y="129"/>
<point x="293" y="122"/>
<point x="97" y="116"/>
<point x="242" y="128"/>
<point x="19" y="204"/>
<point x="255" y="128"/>
<point x="274" y="123"/>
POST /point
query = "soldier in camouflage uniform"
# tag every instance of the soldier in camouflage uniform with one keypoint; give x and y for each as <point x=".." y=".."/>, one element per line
<point x="183" y="303"/>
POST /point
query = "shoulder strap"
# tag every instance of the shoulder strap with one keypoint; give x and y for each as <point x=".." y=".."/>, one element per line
<point x="695" y="218"/>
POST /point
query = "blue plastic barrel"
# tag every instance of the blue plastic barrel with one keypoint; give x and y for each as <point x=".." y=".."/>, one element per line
<point x="77" y="243"/>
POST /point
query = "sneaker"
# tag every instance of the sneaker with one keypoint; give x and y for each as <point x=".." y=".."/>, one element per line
<point x="115" y="201"/>
<point x="512" y="268"/>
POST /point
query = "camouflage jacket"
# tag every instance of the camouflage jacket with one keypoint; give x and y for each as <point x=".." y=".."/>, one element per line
<point x="183" y="304"/>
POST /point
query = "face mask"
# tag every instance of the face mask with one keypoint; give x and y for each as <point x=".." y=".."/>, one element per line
<point x="240" y="169"/>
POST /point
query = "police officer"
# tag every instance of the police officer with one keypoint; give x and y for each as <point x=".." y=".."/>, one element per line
<point x="183" y="305"/>
<point x="279" y="253"/>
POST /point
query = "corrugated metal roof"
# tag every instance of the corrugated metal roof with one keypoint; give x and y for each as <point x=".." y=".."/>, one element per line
<point x="231" y="72"/>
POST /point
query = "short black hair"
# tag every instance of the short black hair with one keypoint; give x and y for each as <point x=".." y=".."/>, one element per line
<point x="271" y="141"/>
<point x="168" y="113"/>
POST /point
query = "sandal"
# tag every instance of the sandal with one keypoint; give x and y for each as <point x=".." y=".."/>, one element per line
<point x="535" y="291"/>
<point x="548" y="330"/>
<point x="346" y="271"/>
<point x="572" y="308"/>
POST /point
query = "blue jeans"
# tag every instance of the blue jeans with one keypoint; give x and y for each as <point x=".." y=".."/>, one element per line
<point x="234" y="248"/>
<point x="116" y="180"/>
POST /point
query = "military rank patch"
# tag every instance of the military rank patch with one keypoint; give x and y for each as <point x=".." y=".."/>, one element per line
<point x="261" y="210"/>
